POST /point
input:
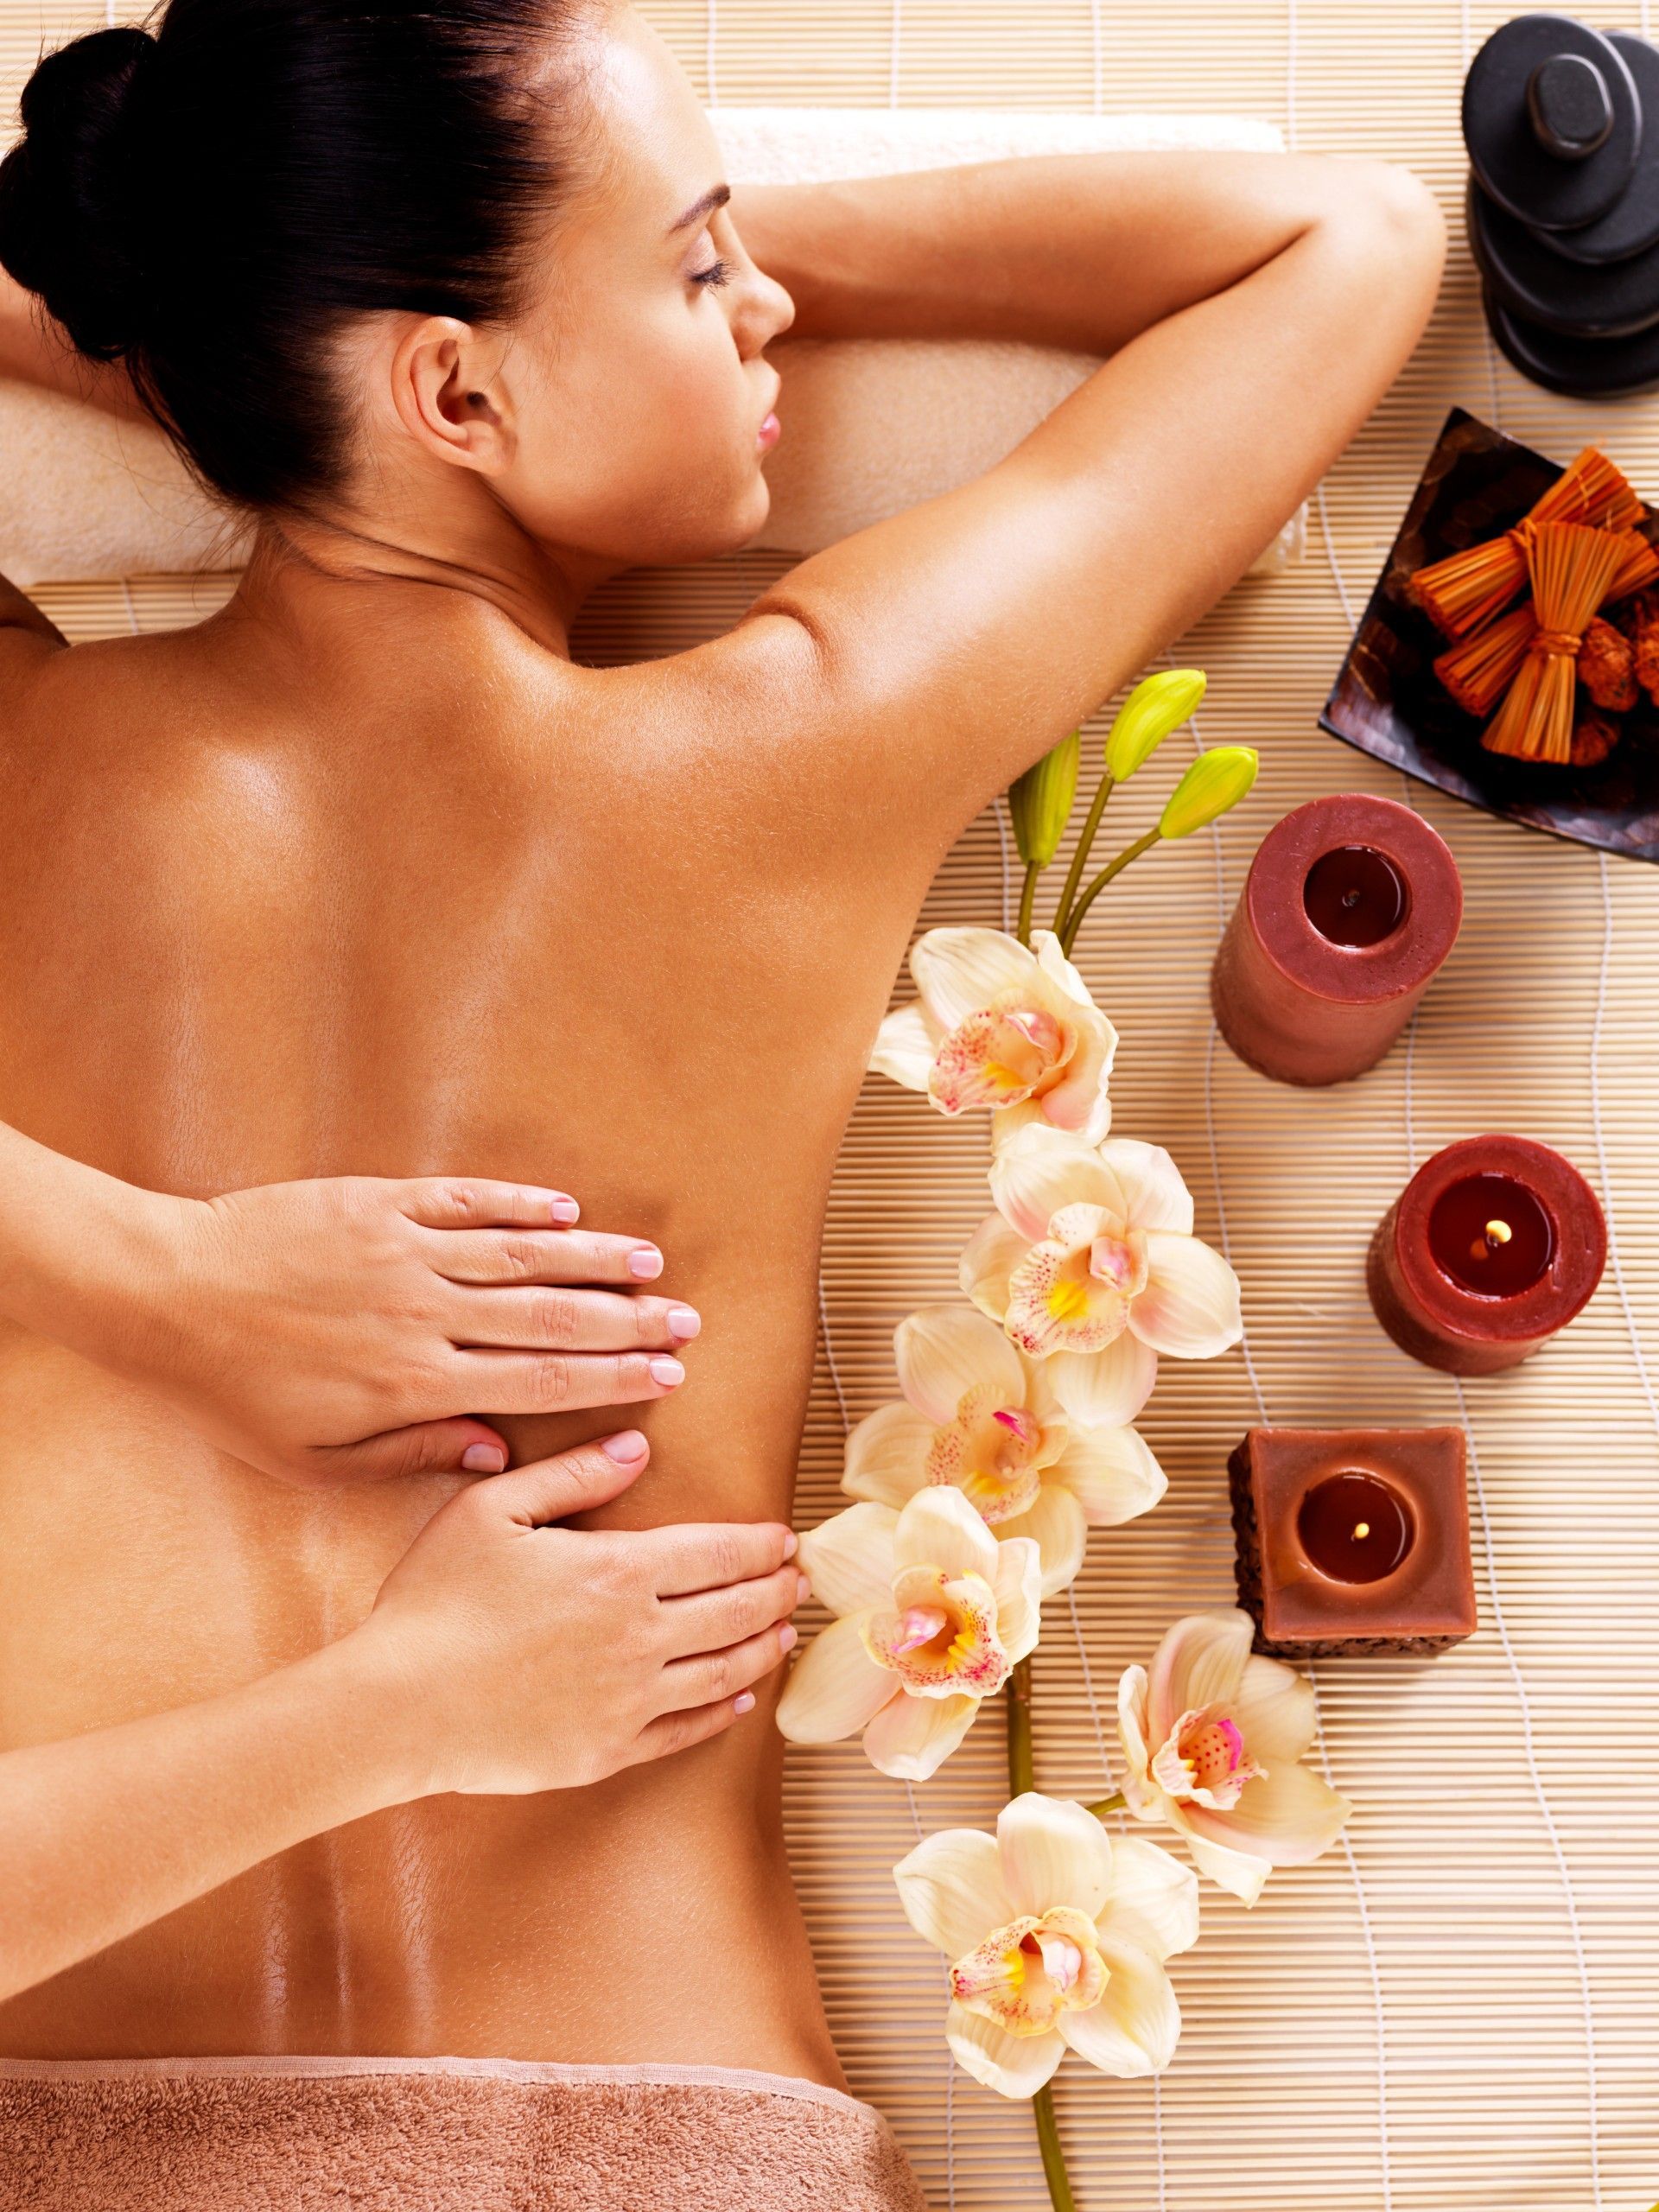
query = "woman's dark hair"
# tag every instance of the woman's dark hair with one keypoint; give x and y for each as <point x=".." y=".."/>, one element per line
<point x="209" y="204"/>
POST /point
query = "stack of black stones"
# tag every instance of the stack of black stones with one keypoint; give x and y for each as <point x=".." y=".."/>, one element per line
<point x="1561" y="123"/>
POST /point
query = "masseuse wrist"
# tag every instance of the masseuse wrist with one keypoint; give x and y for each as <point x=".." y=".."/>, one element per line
<point x="85" y="1253"/>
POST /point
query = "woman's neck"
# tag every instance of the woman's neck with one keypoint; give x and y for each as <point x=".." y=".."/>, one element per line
<point x="485" y="557"/>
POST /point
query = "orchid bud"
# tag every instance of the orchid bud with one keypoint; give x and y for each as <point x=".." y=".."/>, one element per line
<point x="1217" y="780"/>
<point x="1156" y="705"/>
<point x="1040" y="801"/>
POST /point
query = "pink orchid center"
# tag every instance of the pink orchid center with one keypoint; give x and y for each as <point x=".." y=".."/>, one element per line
<point x="1025" y="1974"/>
<point x="941" y="1637"/>
<point x="1060" y="1299"/>
<point x="992" y="1454"/>
<point x="1205" y="1760"/>
<point x="1001" y="1055"/>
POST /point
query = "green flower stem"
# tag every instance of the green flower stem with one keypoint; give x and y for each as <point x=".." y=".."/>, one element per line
<point x="1048" y="2138"/>
<point x="1021" y="1778"/>
<point x="1080" y="858"/>
<point x="1115" y="865"/>
<point x="1027" y="894"/>
<point x="1021" y="1769"/>
<point x="1115" y="1803"/>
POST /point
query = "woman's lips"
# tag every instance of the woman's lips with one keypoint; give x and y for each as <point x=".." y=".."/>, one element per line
<point x="769" y="432"/>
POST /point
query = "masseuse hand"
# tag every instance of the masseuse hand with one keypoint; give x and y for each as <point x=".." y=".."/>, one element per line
<point x="502" y="1655"/>
<point x="545" y="1658"/>
<point x="338" y="1332"/>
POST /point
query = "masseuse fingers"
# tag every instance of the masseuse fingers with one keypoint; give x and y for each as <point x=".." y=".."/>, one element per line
<point x="565" y="1319"/>
<point x="715" y="1674"/>
<point x="563" y="1382"/>
<point x="690" y="1556"/>
<point x="465" y="1201"/>
<point x="678" y="1732"/>
<point x="550" y="1255"/>
<point x="571" y="1482"/>
<point x="714" y="1618"/>
<point x="429" y="1447"/>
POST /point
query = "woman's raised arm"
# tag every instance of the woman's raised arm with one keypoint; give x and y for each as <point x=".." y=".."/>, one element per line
<point x="1255" y="309"/>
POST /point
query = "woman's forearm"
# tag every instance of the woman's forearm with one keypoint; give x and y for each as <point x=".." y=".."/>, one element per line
<point x="106" y="1832"/>
<point x="33" y="350"/>
<point x="1081" y="251"/>
<point x="75" y="1243"/>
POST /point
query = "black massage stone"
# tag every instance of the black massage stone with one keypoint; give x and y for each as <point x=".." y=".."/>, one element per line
<point x="1582" y="368"/>
<point x="1553" y="122"/>
<point x="1526" y="273"/>
<point x="1631" y="224"/>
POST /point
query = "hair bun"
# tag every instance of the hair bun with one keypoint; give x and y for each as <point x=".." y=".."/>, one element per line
<point x="69" y="192"/>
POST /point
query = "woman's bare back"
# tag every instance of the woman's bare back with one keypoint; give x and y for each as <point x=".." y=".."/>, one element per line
<point x="302" y="892"/>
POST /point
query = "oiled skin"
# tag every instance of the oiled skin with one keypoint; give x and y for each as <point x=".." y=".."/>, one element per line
<point x="359" y="876"/>
<point x="280" y="913"/>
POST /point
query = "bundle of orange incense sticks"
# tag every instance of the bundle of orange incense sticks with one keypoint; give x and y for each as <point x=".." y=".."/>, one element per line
<point x="1463" y="591"/>
<point x="1480" y="668"/>
<point x="1580" y="550"/>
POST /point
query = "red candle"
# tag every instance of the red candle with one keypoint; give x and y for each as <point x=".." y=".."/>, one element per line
<point x="1493" y="1245"/>
<point x="1349" y="907"/>
<point x="1352" y="1540"/>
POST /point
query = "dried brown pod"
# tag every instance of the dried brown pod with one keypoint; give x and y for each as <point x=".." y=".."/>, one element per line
<point x="1593" y="739"/>
<point x="1607" y="667"/>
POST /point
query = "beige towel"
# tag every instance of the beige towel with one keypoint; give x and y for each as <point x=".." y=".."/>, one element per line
<point x="871" y="426"/>
<point x="435" y="2135"/>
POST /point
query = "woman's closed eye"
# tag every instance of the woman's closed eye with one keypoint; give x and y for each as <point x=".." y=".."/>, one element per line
<point x="717" y="273"/>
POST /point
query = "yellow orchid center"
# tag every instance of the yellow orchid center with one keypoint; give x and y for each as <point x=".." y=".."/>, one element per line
<point x="1024" y="1975"/>
<point x="940" y="1639"/>
<point x="992" y="1454"/>
<point x="1071" y="1291"/>
<point x="1001" y="1055"/>
<point x="1205" y="1760"/>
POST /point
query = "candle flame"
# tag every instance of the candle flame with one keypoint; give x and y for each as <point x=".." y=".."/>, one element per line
<point x="1361" y="1528"/>
<point x="1498" y="1232"/>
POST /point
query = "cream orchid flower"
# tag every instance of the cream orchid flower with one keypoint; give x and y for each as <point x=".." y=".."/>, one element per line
<point x="1090" y="1265"/>
<point x="977" y="1416"/>
<point x="1057" y="1934"/>
<point x="1000" y="1025"/>
<point x="1212" y="1738"/>
<point x="932" y="1615"/>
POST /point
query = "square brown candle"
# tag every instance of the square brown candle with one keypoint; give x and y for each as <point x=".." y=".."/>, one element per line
<point x="1353" y="1539"/>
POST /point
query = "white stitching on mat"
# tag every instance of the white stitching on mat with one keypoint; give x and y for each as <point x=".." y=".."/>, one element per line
<point x="1601" y="1142"/>
<point x="910" y="1787"/>
<point x="1512" y="1661"/>
<point x="711" y="32"/>
<point x="1098" y="54"/>
<point x="1360" y="1898"/>
<point x="892" y="54"/>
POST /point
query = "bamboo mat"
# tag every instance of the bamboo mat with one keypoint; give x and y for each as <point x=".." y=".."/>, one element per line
<point x="1457" y="2010"/>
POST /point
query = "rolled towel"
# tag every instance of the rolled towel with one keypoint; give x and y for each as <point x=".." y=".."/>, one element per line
<point x="874" y="426"/>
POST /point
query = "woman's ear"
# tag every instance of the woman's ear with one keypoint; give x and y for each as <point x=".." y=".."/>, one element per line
<point x="450" y="395"/>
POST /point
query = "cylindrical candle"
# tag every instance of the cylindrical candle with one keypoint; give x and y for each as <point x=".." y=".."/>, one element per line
<point x="1350" y="905"/>
<point x="1493" y="1245"/>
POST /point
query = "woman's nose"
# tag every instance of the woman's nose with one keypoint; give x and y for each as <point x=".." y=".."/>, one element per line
<point x="767" y="313"/>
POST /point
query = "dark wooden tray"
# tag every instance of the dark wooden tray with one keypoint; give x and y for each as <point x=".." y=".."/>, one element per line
<point x="1387" y="702"/>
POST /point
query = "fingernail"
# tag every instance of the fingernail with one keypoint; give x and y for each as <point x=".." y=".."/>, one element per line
<point x="484" y="1458"/>
<point x="564" y="1210"/>
<point x="744" y="1701"/>
<point x="787" y="1639"/>
<point x="802" y="1589"/>
<point x="666" y="1371"/>
<point x="646" y="1264"/>
<point x="791" y="1545"/>
<point x="684" y="1323"/>
<point x="627" y="1449"/>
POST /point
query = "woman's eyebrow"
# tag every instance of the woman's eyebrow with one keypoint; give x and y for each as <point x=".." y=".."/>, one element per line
<point x="699" y="208"/>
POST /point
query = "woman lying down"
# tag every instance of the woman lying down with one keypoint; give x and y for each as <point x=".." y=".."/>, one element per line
<point x="338" y="1853"/>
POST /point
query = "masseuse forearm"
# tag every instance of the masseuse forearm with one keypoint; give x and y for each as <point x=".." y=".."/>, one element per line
<point x="1076" y="251"/>
<point x="104" y="1833"/>
<point x="70" y="1236"/>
